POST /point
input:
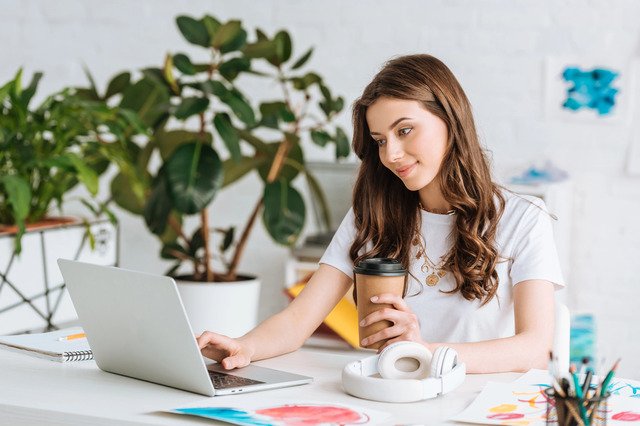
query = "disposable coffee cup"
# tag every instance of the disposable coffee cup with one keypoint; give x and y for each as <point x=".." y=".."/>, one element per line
<point x="373" y="277"/>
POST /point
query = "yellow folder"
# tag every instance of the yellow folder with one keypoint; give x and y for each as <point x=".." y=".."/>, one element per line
<point x="343" y="319"/>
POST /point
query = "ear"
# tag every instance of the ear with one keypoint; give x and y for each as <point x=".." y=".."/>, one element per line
<point x="444" y="359"/>
<point x="404" y="360"/>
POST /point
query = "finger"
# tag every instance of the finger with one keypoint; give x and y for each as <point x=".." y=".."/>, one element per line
<point x="391" y="299"/>
<point x="385" y="314"/>
<point x="235" y="361"/>
<point x="387" y="333"/>
<point x="205" y="338"/>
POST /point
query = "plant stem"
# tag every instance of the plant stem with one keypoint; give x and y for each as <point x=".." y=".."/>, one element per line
<point x="173" y="222"/>
<point x="231" y="274"/>
<point x="205" y="238"/>
<point x="274" y="171"/>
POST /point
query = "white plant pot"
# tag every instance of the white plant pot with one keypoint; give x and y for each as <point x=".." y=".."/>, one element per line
<point x="225" y="308"/>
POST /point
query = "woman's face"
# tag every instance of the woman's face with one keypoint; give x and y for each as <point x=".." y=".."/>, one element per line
<point x="411" y="140"/>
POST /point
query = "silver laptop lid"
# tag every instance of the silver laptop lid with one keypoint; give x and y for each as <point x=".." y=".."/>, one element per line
<point x="123" y="313"/>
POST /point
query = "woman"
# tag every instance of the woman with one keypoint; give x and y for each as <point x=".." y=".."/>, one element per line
<point x="482" y="259"/>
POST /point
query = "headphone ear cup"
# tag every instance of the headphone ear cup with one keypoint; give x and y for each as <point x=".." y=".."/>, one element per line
<point x="404" y="360"/>
<point x="444" y="359"/>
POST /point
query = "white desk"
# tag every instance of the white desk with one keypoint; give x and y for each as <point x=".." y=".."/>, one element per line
<point x="34" y="391"/>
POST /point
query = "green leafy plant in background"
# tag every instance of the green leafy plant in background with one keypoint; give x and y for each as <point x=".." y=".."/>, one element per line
<point x="208" y="134"/>
<point x="47" y="151"/>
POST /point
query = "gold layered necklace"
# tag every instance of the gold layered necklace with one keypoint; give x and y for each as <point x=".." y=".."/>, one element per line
<point x="434" y="272"/>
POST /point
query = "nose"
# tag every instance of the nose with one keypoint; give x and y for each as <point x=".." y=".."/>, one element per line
<point x="394" y="150"/>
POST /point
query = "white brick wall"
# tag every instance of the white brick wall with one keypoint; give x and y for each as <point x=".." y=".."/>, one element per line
<point x="496" y="48"/>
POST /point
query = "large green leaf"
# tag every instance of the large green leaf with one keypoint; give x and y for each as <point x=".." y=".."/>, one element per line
<point x="260" y="49"/>
<point x="122" y="192"/>
<point x="184" y="64"/>
<point x="233" y="67"/>
<point x="226" y="34"/>
<point x="282" y="42"/>
<point x="194" y="175"/>
<point x="168" y="141"/>
<point x="118" y="84"/>
<point x="234" y="170"/>
<point x="320" y="137"/>
<point x="18" y="195"/>
<point x="148" y="98"/>
<point x="211" y="24"/>
<point x="191" y="106"/>
<point x="158" y="206"/>
<point x="228" y="133"/>
<point x="193" y="30"/>
<point x="237" y="102"/>
<point x="342" y="143"/>
<point x="237" y="43"/>
<point x="84" y="174"/>
<point x="284" y="212"/>
<point x="273" y="112"/>
<point x="213" y="87"/>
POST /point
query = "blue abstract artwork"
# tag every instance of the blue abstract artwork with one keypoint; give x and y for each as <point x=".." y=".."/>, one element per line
<point x="590" y="89"/>
<point x="583" y="338"/>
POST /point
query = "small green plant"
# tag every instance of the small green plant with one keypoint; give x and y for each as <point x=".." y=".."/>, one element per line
<point x="209" y="134"/>
<point x="47" y="151"/>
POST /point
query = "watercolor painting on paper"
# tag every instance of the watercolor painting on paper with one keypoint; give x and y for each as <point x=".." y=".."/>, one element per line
<point x="294" y="414"/>
<point x="589" y="90"/>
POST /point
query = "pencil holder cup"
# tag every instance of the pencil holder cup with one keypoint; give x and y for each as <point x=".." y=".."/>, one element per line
<point x="573" y="411"/>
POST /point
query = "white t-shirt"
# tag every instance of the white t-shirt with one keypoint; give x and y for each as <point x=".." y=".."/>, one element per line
<point x="524" y="236"/>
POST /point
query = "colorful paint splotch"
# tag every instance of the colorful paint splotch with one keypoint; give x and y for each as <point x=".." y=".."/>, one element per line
<point x="282" y="415"/>
<point x="590" y="89"/>
<point x="626" y="416"/>
<point x="305" y="415"/>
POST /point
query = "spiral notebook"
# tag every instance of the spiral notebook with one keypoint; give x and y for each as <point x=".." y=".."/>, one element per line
<point x="64" y="345"/>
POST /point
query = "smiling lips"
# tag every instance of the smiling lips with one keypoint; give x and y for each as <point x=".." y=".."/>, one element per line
<point x="405" y="170"/>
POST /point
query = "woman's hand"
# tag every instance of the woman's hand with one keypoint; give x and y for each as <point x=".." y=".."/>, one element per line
<point x="230" y="353"/>
<point x="405" y="323"/>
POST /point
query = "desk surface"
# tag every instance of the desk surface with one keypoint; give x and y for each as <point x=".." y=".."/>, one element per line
<point x="38" y="391"/>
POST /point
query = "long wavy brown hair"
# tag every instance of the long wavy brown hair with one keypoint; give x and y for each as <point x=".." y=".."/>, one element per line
<point x="381" y="202"/>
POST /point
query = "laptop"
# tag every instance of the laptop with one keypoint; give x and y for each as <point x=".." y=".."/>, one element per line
<point x="136" y="326"/>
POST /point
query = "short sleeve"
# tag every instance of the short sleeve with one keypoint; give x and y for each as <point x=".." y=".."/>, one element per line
<point x="535" y="256"/>
<point x="337" y="254"/>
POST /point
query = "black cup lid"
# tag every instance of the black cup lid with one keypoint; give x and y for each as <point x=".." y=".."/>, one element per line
<point x="382" y="266"/>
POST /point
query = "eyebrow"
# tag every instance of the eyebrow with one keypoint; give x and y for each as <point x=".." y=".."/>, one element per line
<point x="392" y="124"/>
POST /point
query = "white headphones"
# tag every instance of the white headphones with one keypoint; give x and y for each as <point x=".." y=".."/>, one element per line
<point x="408" y="372"/>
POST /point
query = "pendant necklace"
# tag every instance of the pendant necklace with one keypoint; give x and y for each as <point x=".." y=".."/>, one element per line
<point x="437" y="271"/>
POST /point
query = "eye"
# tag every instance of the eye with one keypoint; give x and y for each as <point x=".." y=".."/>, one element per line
<point x="380" y="142"/>
<point x="405" y="131"/>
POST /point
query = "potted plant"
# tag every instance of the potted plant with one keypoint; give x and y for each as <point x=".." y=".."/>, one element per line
<point x="229" y="138"/>
<point x="45" y="152"/>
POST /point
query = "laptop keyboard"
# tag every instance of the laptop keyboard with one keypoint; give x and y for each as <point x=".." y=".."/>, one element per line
<point x="224" y="381"/>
